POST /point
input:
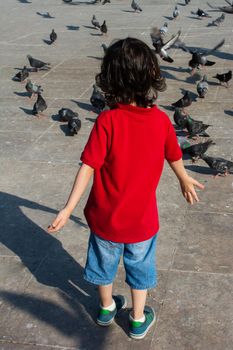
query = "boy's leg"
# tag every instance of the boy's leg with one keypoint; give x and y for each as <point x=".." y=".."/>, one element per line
<point x="105" y="293"/>
<point x="138" y="302"/>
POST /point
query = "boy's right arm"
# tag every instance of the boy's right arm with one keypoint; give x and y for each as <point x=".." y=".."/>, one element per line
<point x="81" y="181"/>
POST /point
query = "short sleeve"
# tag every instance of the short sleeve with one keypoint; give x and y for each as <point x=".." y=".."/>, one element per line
<point x="172" y="148"/>
<point x="96" y="147"/>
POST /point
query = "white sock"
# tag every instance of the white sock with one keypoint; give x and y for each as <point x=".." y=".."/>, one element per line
<point x="139" y="320"/>
<point x="110" y="307"/>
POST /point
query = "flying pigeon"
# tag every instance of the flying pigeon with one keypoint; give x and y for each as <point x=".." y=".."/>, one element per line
<point x="53" y="36"/>
<point x="224" y="78"/>
<point x="39" y="106"/>
<point x="199" y="58"/>
<point x="65" y="114"/>
<point x="176" y="12"/>
<point x="135" y="6"/>
<point x="74" y="125"/>
<point x="97" y="99"/>
<point x="104" y="28"/>
<point x="197" y="150"/>
<point x="219" y="165"/>
<point x="21" y="75"/>
<point x="33" y="89"/>
<point x="37" y="64"/>
<point x="161" y="47"/>
<point x="202" y="87"/>
<point x="95" y="23"/>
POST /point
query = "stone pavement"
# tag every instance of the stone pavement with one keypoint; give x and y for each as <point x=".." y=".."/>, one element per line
<point x="44" y="302"/>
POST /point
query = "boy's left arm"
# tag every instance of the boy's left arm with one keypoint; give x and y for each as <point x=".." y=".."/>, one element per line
<point x="187" y="183"/>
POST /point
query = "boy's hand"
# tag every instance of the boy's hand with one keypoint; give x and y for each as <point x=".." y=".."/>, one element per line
<point x="60" y="221"/>
<point x="187" y="187"/>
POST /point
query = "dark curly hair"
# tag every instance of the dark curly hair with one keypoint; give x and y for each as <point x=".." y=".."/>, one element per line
<point x="130" y="73"/>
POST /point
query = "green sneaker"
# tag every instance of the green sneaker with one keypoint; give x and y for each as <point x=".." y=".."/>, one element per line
<point x="138" y="330"/>
<point x="106" y="317"/>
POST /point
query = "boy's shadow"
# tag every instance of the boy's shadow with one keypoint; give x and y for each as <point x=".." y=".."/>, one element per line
<point x="50" y="264"/>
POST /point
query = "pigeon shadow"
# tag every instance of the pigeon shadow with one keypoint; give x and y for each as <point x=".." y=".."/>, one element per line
<point x="216" y="53"/>
<point x="192" y="79"/>
<point x="96" y="34"/>
<point x="22" y="94"/>
<point x="95" y="57"/>
<point x="24" y="1"/>
<point x="48" y="42"/>
<point x="168" y="108"/>
<point x="80" y="2"/>
<point x="83" y="105"/>
<point x="175" y="69"/>
<point x="213" y="83"/>
<point x="90" y="27"/>
<point x="44" y="15"/>
<point x="194" y="17"/>
<point x="72" y="27"/>
<point x="26" y="110"/>
<point x="168" y="75"/>
<point x="199" y="169"/>
<point x="91" y="119"/>
<point x="64" y="128"/>
<point x="168" y="18"/>
<point x="51" y="265"/>
<point x="130" y="11"/>
<point x="228" y="112"/>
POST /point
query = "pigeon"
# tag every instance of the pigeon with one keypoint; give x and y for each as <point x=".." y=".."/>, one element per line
<point x="53" y="36"/>
<point x="66" y="114"/>
<point x="97" y="99"/>
<point x="37" y="64"/>
<point x="21" y="75"/>
<point x="135" y="6"/>
<point x="201" y="14"/>
<point x="224" y="78"/>
<point x="106" y="2"/>
<point x="179" y="118"/>
<point x="95" y="23"/>
<point x="183" y="102"/>
<point x="220" y="165"/>
<point x="104" y="28"/>
<point x="187" y="2"/>
<point x="196" y="128"/>
<point x="176" y="12"/>
<point x="39" y="106"/>
<point x="217" y="21"/>
<point x="33" y="89"/>
<point x="104" y="46"/>
<point x="202" y="87"/>
<point x="164" y="29"/>
<point x="226" y="9"/>
<point x="200" y="58"/>
<point x="74" y="125"/>
<point x="160" y="46"/>
<point x="196" y="150"/>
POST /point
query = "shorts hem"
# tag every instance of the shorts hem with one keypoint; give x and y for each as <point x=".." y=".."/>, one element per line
<point x="141" y="287"/>
<point x="97" y="282"/>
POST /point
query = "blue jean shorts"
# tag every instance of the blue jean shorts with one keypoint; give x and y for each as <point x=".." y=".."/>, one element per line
<point x="104" y="256"/>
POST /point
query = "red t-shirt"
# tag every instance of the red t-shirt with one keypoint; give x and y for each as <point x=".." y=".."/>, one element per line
<point x="127" y="147"/>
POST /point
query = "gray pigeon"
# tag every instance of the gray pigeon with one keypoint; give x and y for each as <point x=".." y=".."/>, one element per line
<point x="196" y="128"/>
<point x="21" y="75"/>
<point x="74" y="125"/>
<point x="202" y="87"/>
<point x="160" y="46"/>
<point x="197" y="150"/>
<point x="95" y="23"/>
<point x="104" y="28"/>
<point x="164" y="29"/>
<point x="65" y="114"/>
<point x="135" y="6"/>
<point x="219" y="165"/>
<point x="39" y="106"/>
<point x="33" y="89"/>
<point x="97" y="99"/>
<point x="37" y="64"/>
<point x="176" y="12"/>
<point x="219" y="20"/>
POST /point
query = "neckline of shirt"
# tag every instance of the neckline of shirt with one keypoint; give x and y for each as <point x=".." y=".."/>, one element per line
<point x="136" y="109"/>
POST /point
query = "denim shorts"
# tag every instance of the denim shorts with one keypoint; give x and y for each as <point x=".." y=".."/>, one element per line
<point x="104" y="256"/>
